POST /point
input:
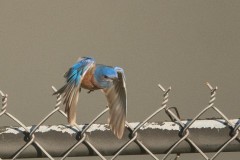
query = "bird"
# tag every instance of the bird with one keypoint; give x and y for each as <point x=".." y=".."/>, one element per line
<point x="86" y="74"/>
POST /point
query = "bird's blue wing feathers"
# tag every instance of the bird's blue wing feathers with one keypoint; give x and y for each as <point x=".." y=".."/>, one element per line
<point x="77" y="71"/>
<point x="71" y="89"/>
<point x="75" y="74"/>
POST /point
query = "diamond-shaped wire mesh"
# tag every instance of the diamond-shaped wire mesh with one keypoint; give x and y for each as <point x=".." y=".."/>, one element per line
<point x="184" y="132"/>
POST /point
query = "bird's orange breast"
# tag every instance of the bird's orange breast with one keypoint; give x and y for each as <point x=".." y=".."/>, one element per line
<point x="88" y="80"/>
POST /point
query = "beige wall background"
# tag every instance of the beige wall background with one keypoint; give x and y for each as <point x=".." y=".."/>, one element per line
<point x="181" y="44"/>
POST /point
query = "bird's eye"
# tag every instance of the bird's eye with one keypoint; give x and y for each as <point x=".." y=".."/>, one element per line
<point x="105" y="76"/>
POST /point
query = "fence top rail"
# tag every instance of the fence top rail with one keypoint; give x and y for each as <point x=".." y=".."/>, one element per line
<point x="198" y="124"/>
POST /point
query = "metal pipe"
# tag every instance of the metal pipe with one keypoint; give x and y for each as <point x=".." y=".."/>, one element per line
<point x="208" y="135"/>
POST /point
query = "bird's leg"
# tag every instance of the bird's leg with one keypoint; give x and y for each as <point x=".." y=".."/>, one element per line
<point x="90" y="91"/>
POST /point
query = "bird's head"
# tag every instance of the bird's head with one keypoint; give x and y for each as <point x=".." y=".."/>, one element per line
<point x="109" y="74"/>
<point x="105" y="75"/>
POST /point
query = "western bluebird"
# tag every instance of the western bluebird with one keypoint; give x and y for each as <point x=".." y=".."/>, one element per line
<point x="88" y="75"/>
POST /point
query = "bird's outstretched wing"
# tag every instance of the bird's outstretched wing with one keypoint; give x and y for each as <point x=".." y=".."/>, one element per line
<point x="71" y="89"/>
<point x="117" y="102"/>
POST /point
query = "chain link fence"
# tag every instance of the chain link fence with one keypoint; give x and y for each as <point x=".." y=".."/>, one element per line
<point x="166" y="138"/>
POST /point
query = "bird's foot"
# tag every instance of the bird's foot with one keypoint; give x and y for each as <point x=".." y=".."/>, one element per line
<point x="90" y="91"/>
